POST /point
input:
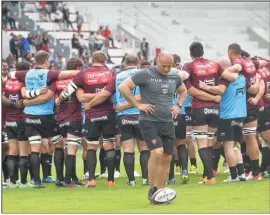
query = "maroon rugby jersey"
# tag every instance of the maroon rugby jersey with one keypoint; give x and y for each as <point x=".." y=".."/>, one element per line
<point x="13" y="92"/>
<point x="249" y="70"/>
<point x="265" y="74"/>
<point x="4" y="108"/>
<point x="71" y="109"/>
<point x="204" y="70"/>
<point x="93" y="80"/>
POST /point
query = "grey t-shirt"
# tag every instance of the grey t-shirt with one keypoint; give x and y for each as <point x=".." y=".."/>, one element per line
<point x="158" y="90"/>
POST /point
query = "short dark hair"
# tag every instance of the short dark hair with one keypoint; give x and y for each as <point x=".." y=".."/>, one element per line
<point x="74" y="63"/>
<point x="196" y="49"/>
<point x="131" y="59"/>
<point x="24" y="65"/>
<point x="145" y="63"/>
<point x="235" y="48"/>
<point x="245" y="54"/>
<point x="41" y="57"/>
<point x="176" y="59"/>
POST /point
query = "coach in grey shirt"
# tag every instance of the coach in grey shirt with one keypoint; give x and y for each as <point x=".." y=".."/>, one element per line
<point x="157" y="86"/>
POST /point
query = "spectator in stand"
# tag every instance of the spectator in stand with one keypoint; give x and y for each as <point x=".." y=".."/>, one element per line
<point x="98" y="41"/>
<point x="82" y="43"/>
<point x="67" y="22"/>
<point x="45" y="39"/>
<point x="59" y="18"/>
<point x="139" y="56"/>
<point x="75" y="44"/>
<point x="14" y="46"/>
<point x="100" y="30"/>
<point x="32" y="44"/>
<point x="79" y="21"/>
<point x="7" y="18"/>
<point x="44" y="47"/>
<point x="24" y="45"/>
<point x="107" y="34"/>
<point x="91" y="41"/>
<point x="105" y="49"/>
<point x="144" y="49"/>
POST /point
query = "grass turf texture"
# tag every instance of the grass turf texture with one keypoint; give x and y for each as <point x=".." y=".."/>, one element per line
<point x="241" y="197"/>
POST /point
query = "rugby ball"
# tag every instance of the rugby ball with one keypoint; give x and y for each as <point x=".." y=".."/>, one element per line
<point x="164" y="196"/>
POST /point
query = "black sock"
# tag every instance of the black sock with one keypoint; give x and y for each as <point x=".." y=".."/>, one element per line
<point x="91" y="159"/>
<point x="17" y="167"/>
<point x="255" y="167"/>
<point x="216" y="157"/>
<point x="74" y="174"/>
<point x="59" y="163"/>
<point x="240" y="169"/>
<point x="222" y="152"/>
<point x="50" y="165"/>
<point x="247" y="165"/>
<point x="129" y="162"/>
<point x="5" y="169"/>
<point x="23" y="164"/>
<point x="102" y="160"/>
<point x="117" y="160"/>
<point x="210" y="162"/>
<point x="233" y="171"/>
<point x="203" y="152"/>
<point x="245" y="157"/>
<point x="264" y="162"/>
<point x="85" y="169"/>
<point x="70" y="160"/>
<point x="11" y="164"/>
<point x="183" y="156"/>
<point x="171" y="173"/>
<point x="193" y="162"/>
<point x="144" y="157"/>
<point x="177" y="163"/>
<point x="35" y="165"/>
<point x="110" y="159"/>
<point x="44" y="159"/>
<point x="30" y="167"/>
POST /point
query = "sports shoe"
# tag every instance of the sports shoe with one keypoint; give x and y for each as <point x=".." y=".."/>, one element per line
<point x="110" y="184"/>
<point x="91" y="183"/>
<point x="49" y="179"/>
<point x="86" y="176"/>
<point x="215" y="172"/>
<point x="177" y="170"/>
<point x="203" y="180"/>
<point x="242" y="177"/>
<point x="39" y="185"/>
<point x="79" y="183"/>
<point x="11" y="185"/>
<point x="59" y="183"/>
<point x="117" y="174"/>
<point x="26" y="185"/>
<point x="193" y="170"/>
<point x="131" y="184"/>
<point x="104" y="175"/>
<point x="4" y="186"/>
<point x="211" y="181"/>
<point x="252" y="177"/>
<point x="136" y="174"/>
<point x="171" y="181"/>
<point x="184" y="177"/>
<point x="229" y="180"/>
<point x="151" y="192"/>
<point x="145" y="181"/>
<point x="70" y="185"/>
<point x="32" y="181"/>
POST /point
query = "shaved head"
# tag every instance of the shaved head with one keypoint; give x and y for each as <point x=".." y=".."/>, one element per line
<point x="164" y="62"/>
<point x="165" y="55"/>
<point x="224" y="63"/>
<point x="131" y="59"/>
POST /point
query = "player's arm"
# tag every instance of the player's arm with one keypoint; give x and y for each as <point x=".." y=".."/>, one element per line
<point x="40" y="99"/>
<point x="259" y="95"/>
<point x="263" y="63"/>
<point x="254" y="88"/>
<point x="84" y="97"/>
<point x="181" y="94"/>
<point x="127" y="105"/>
<point x="98" y="99"/>
<point x="63" y="75"/>
<point x="231" y="73"/>
<point x="9" y="103"/>
<point x="217" y="90"/>
<point x="30" y="94"/>
<point x="125" y="89"/>
<point x="267" y="97"/>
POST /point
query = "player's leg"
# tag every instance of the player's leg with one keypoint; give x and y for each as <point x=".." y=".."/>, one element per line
<point x="4" y="158"/>
<point x="144" y="157"/>
<point x="171" y="179"/>
<point x="44" y="160"/>
<point x="239" y="162"/>
<point x="117" y="156"/>
<point x="210" y="144"/>
<point x="102" y="159"/>
<point x="84" y="153"/>
<point x="216" y="156"/>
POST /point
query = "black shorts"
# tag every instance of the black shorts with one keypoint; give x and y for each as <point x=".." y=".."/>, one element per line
<point x="205" y="116"/>
<point x="129" y="129"/>
<point x="104" y="126"/>
<point x="230" y="130"/>
<point x="73" y="128"/>
<point x="188" y="116"/>
<point x="43" y="125"/>
<point x="180" y="127"/>
<point x="15" y="130"/>
<point x="252" y="115"/>
<point x="264" y="120"/>
<point x="158" y="135"/>
<point x="4" y="136"/>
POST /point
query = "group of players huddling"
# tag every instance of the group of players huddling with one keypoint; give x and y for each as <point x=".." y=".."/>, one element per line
<point x="226" y="105"/>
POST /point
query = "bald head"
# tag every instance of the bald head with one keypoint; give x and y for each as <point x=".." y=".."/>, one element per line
<point x="224" y="63"/>
<point x="164" y="62"/>
<point x="131" y="60"/>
